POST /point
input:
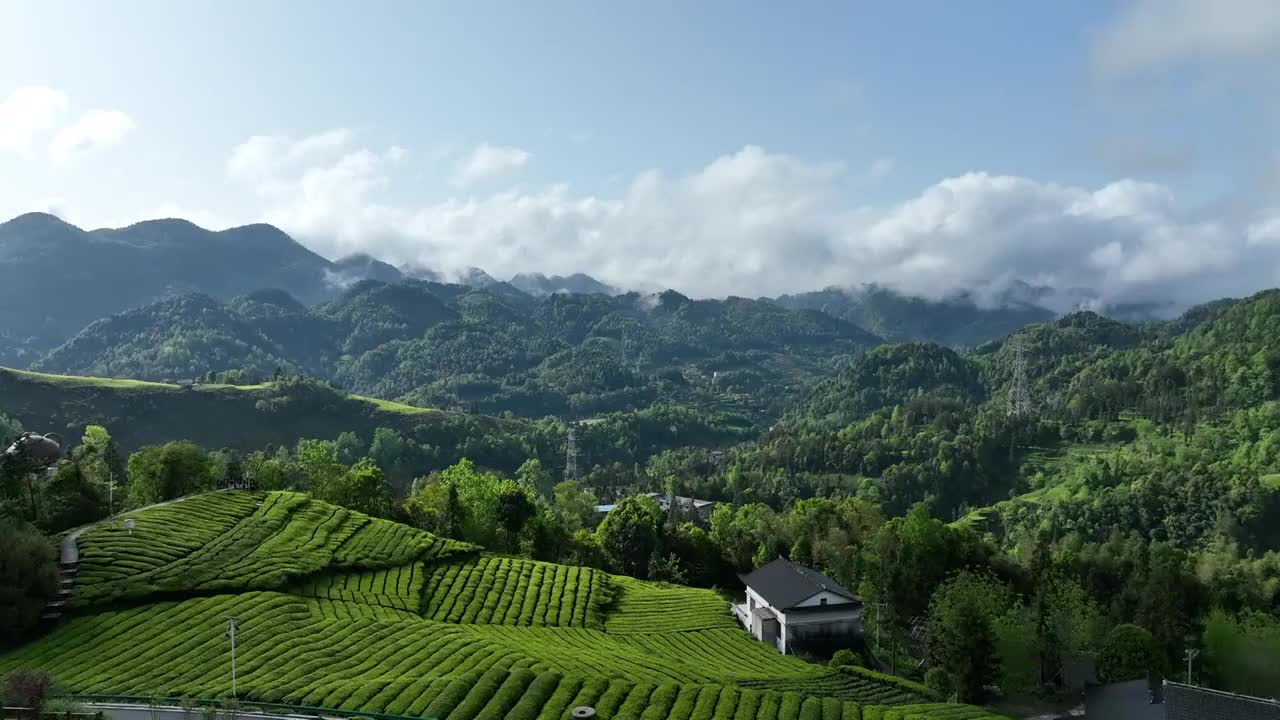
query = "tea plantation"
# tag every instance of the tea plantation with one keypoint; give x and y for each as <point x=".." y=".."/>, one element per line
<point x="340" y="610"/>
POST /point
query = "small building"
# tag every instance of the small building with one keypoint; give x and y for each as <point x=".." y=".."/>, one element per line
<point x="687" y="507"/>
<point x="791" y="606"/>
<point x="1164" y="700"/>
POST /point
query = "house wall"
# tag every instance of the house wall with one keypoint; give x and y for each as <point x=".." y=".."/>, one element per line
<point x="843" y="618"/>
<point x="816" y="600"/>
<point x="837" y="622"/>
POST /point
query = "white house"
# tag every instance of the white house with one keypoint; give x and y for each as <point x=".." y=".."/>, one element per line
<point x="788" y="604"/>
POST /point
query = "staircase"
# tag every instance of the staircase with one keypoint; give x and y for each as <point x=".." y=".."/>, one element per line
<point x="67" y="571"/>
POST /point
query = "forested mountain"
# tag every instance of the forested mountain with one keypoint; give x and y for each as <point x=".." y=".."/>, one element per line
<point x="538" y="284"/>
<point x="489" y="350"/>
<point x="56" y="278"/>
<point x="1137" y="485"/>
<point x="958" y="321"/>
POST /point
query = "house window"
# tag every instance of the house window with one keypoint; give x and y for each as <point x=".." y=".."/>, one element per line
<point x="824" y="601"/>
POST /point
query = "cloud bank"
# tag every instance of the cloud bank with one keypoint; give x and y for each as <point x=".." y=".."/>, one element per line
<point x="487" y="162"/>
<point x="755" y="222"/>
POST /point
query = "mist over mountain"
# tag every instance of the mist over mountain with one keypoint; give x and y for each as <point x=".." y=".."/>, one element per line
<point x="56" y="279"/>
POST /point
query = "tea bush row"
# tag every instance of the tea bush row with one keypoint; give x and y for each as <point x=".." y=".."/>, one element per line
<point x="160" y="536"/>
<point x="287" y="538"/>
<point x="397" y="587"/>
<point x="645" y="607"/>
<point x="290" y="650"/>
<point x="509" y="591"/>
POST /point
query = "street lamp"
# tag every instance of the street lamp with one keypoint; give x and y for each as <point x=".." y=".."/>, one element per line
<point x="233" y="624"/>
<point x="1190" y="655"/>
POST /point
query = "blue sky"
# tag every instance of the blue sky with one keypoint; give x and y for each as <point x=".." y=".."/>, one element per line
<point x="718" y="147"/>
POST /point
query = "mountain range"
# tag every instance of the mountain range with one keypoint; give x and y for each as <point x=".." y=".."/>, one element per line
<point x="166" y="299"/>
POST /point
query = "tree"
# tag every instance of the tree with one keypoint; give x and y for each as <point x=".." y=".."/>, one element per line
<point x="102" y="463"/>
<point x="265" y="472"/>
<point x="962" y="639"/>
<point x="629" y="535"/>
<point x="1242" y="652"/>
<point x="532" y="475"/>
<point x="10" y="428"/>
<point x="574" y="506"/>
<point x="396" y="456"/>
<point x="1128" y="653"/>
<point x="68" y="499"/>
<point x="348" y="448"/>
<point x="362" y="488"/>
<point x="514" y="508"/>
<point x="17" y="485"/>
<point x="747" y="533"/>
<point x="475" y="502"/>
<point x="28" y="578"/>
<point x="319" y="465"/>
<point x="164" y="472"/>
<point x="233" y="474"/>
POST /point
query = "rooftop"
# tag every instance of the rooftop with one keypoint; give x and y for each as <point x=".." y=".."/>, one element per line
<point x="783" y="584"/>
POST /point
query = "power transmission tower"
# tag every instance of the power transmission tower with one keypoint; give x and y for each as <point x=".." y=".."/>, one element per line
<point x="1019" y="395"/>
<point x="571" y="456"/>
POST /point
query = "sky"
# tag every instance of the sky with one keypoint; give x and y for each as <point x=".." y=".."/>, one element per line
<point x="717" y="148"/>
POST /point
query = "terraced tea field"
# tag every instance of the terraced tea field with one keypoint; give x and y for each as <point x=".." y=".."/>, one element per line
<point x="344" y="611"/>
<point x="280" y="537"/>
<point x="506" y="591"/>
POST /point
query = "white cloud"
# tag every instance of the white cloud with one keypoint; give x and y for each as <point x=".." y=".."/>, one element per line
<point x="96" y="128"/>
<point x="1154" y="33"/>
<point x="26" y="113"/>
<point x="262" y="159"/>
<point x="487" y="162"/>
<point x="759" y="223"/>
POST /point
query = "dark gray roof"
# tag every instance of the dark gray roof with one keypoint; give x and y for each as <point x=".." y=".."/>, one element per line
<point x="783" y="583"/>
<point x="1122" y="701"/>
<point x="1174" y="701"/>
<point x="1186" y="702"/>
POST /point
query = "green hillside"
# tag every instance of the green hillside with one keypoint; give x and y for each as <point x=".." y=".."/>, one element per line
<point x="486" y="350"/>
<point x="232" y="415"/>
<point x="340" y="610"/>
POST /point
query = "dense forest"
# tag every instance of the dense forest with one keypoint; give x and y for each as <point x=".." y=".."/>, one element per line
<point x="1082" y="488"/>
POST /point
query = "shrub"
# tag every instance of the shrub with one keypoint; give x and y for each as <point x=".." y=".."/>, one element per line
<point x="29" y="689"/>
<point x="845" y="658"/>
<point x="1128" y="653"/>
<point x="939" y="681"/>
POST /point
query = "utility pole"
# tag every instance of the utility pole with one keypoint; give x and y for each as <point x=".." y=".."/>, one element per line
<point x="1190" y="655"/>
<point x="877" y="606"/>
<point x="233" y="624"/>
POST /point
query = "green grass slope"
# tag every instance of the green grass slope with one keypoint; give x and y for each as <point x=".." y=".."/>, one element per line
<point x="339" y="610"/>
<point x="246" y="417"/>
